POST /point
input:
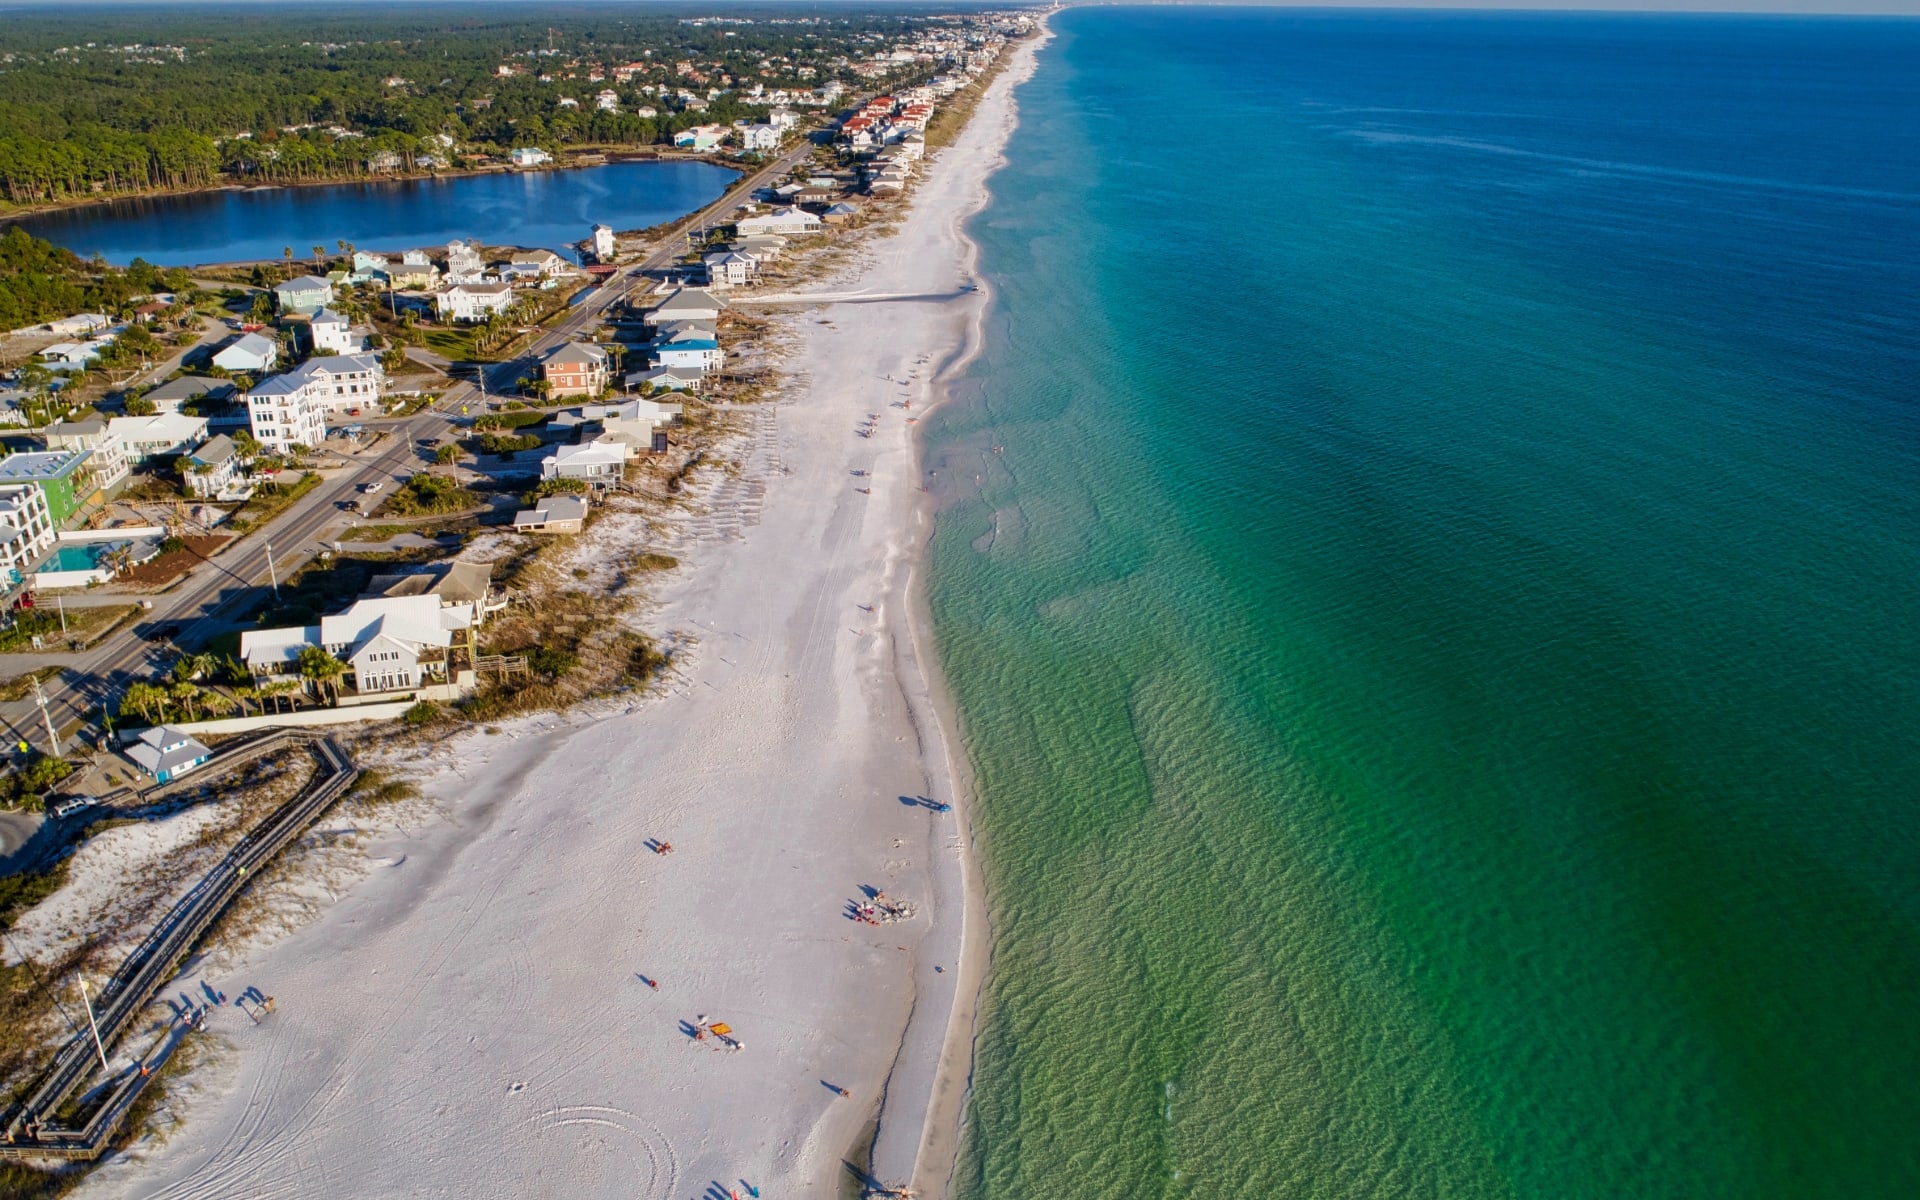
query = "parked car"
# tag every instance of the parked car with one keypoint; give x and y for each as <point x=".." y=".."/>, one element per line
<point x="368" y="489"/>
<point x="73" y="804"/>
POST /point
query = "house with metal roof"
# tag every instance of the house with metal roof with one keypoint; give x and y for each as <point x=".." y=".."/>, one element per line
<point x="307" y="294"/>
<point x="166" y="753"/>
<point x="248" y="354"/>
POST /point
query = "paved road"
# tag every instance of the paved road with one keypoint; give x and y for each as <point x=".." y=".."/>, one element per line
<point x="216" y="592"/>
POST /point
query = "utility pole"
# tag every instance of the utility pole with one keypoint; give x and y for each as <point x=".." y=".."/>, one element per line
<point x="40" y="698"/>
<point x="271" y="573"/>
<point x="98" y="1048"/>
<point x="62" y="601"/>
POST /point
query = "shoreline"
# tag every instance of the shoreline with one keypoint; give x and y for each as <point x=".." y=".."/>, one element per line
<point x="76" y="204"/>
<point x="503" y="952"/>
<point x="927" y="1152"/>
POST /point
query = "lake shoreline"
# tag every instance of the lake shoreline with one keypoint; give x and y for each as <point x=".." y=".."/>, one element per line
<point x="15" y="214"/>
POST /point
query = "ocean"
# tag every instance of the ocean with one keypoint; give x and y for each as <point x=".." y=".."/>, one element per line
<point x="1427" y="570"/>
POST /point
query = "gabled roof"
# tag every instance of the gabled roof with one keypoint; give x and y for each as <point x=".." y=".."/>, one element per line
<point x="164" y="748"/>
<point x="258" y="345"/>
<point x="305" y="283"/>
<point x="216" y="450"/>
<point x="689" y="300"/>
<point x="160" y="427"/>
<point x="276" y="647"/>
<point x="414" y="621"/>
<point x="667" y="377"/>
<point x="189" y="387"/>
<point x="592" y="452"/>
<point x="551" y="509"/>
<point x="575" y="352"/>
<point x="327" y="316"/>
<point x="92" y="427"/>
<point x="459" y="582"/>
<point x="314" y="368"/>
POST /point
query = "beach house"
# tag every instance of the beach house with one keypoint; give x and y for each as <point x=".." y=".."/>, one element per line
<point x="283" y="416"/>
<point x="687" y="304"/>
<point x="78" y="325"/>
<point x="729" y="268"/>
<point x="575" y="369"/>
<point x="637" y="424"/>
<point x="187" y="389"/>
<point x="536" y="264"/>
<point x="390" y="644"/>
<point x="61" y="475"/>
<point x="598" y="464"/>
<point x="331" y="333"/>
<point x="689" y="354"/>
<point x="27" y="531"/>
<point x="759" y="138"/>
<point x="701" y="138"/>
<point x="553" y="514"/>
<point x="786" y="222"/>
<point x="342" y="385"/>
<point x="602" y="241"/>
<point x="212" y="470"/>
<point x="529" y="156"/>
<point x="466" y="586"/>
<point x="306" y="294"/>
<point x="472" y="302"/>
<point x="142" y="438"/>
<point x="166" y="753"/>
<point x="106" y="465"/>
<point x="667" y="379"/>
<point x="248" y="354"/>
<point x="466" y="263"/>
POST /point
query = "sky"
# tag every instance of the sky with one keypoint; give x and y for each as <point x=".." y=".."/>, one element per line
<point x="1823" y="7"/>
<point x="1826" y="7"/>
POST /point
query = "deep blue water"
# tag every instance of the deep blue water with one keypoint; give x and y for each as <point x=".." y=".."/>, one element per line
<point x="551" y="209"/>
<point x="1439" y="644"/>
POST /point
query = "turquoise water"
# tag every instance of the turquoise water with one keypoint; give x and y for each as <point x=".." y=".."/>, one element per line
<point x="83" y="557"/>
<point x="1438" y="643"/>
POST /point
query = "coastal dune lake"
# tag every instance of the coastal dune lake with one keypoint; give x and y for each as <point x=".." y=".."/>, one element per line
<point x="551" y="209"/>
<point x="1427" y="569"/>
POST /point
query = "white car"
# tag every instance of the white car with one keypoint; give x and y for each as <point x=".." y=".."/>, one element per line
<point x="368" y="489"/>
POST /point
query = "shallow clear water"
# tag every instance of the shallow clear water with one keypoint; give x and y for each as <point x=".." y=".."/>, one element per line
<point x="551" y="209"/>
<point x="1438" y="643"/>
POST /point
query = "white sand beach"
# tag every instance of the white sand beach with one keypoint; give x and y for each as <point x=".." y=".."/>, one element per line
<point x="473" y="1017"/>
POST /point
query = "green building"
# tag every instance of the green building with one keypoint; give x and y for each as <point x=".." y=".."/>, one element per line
<point x="57" y="472"/>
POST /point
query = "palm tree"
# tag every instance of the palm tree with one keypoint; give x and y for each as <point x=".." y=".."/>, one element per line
<point x="189" y="667"/>
<point x="218" y="704"/>
<point x="143" y="698"/>
<point x="322" y="669"/>
<point x="287" y="253"/>
<point x="319" y="253"/>
<point x="119" y="558"/>
<point x="184" y="694"/>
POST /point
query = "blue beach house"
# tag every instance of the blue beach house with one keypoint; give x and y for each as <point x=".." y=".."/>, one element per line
<point x="166" y="753"/>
